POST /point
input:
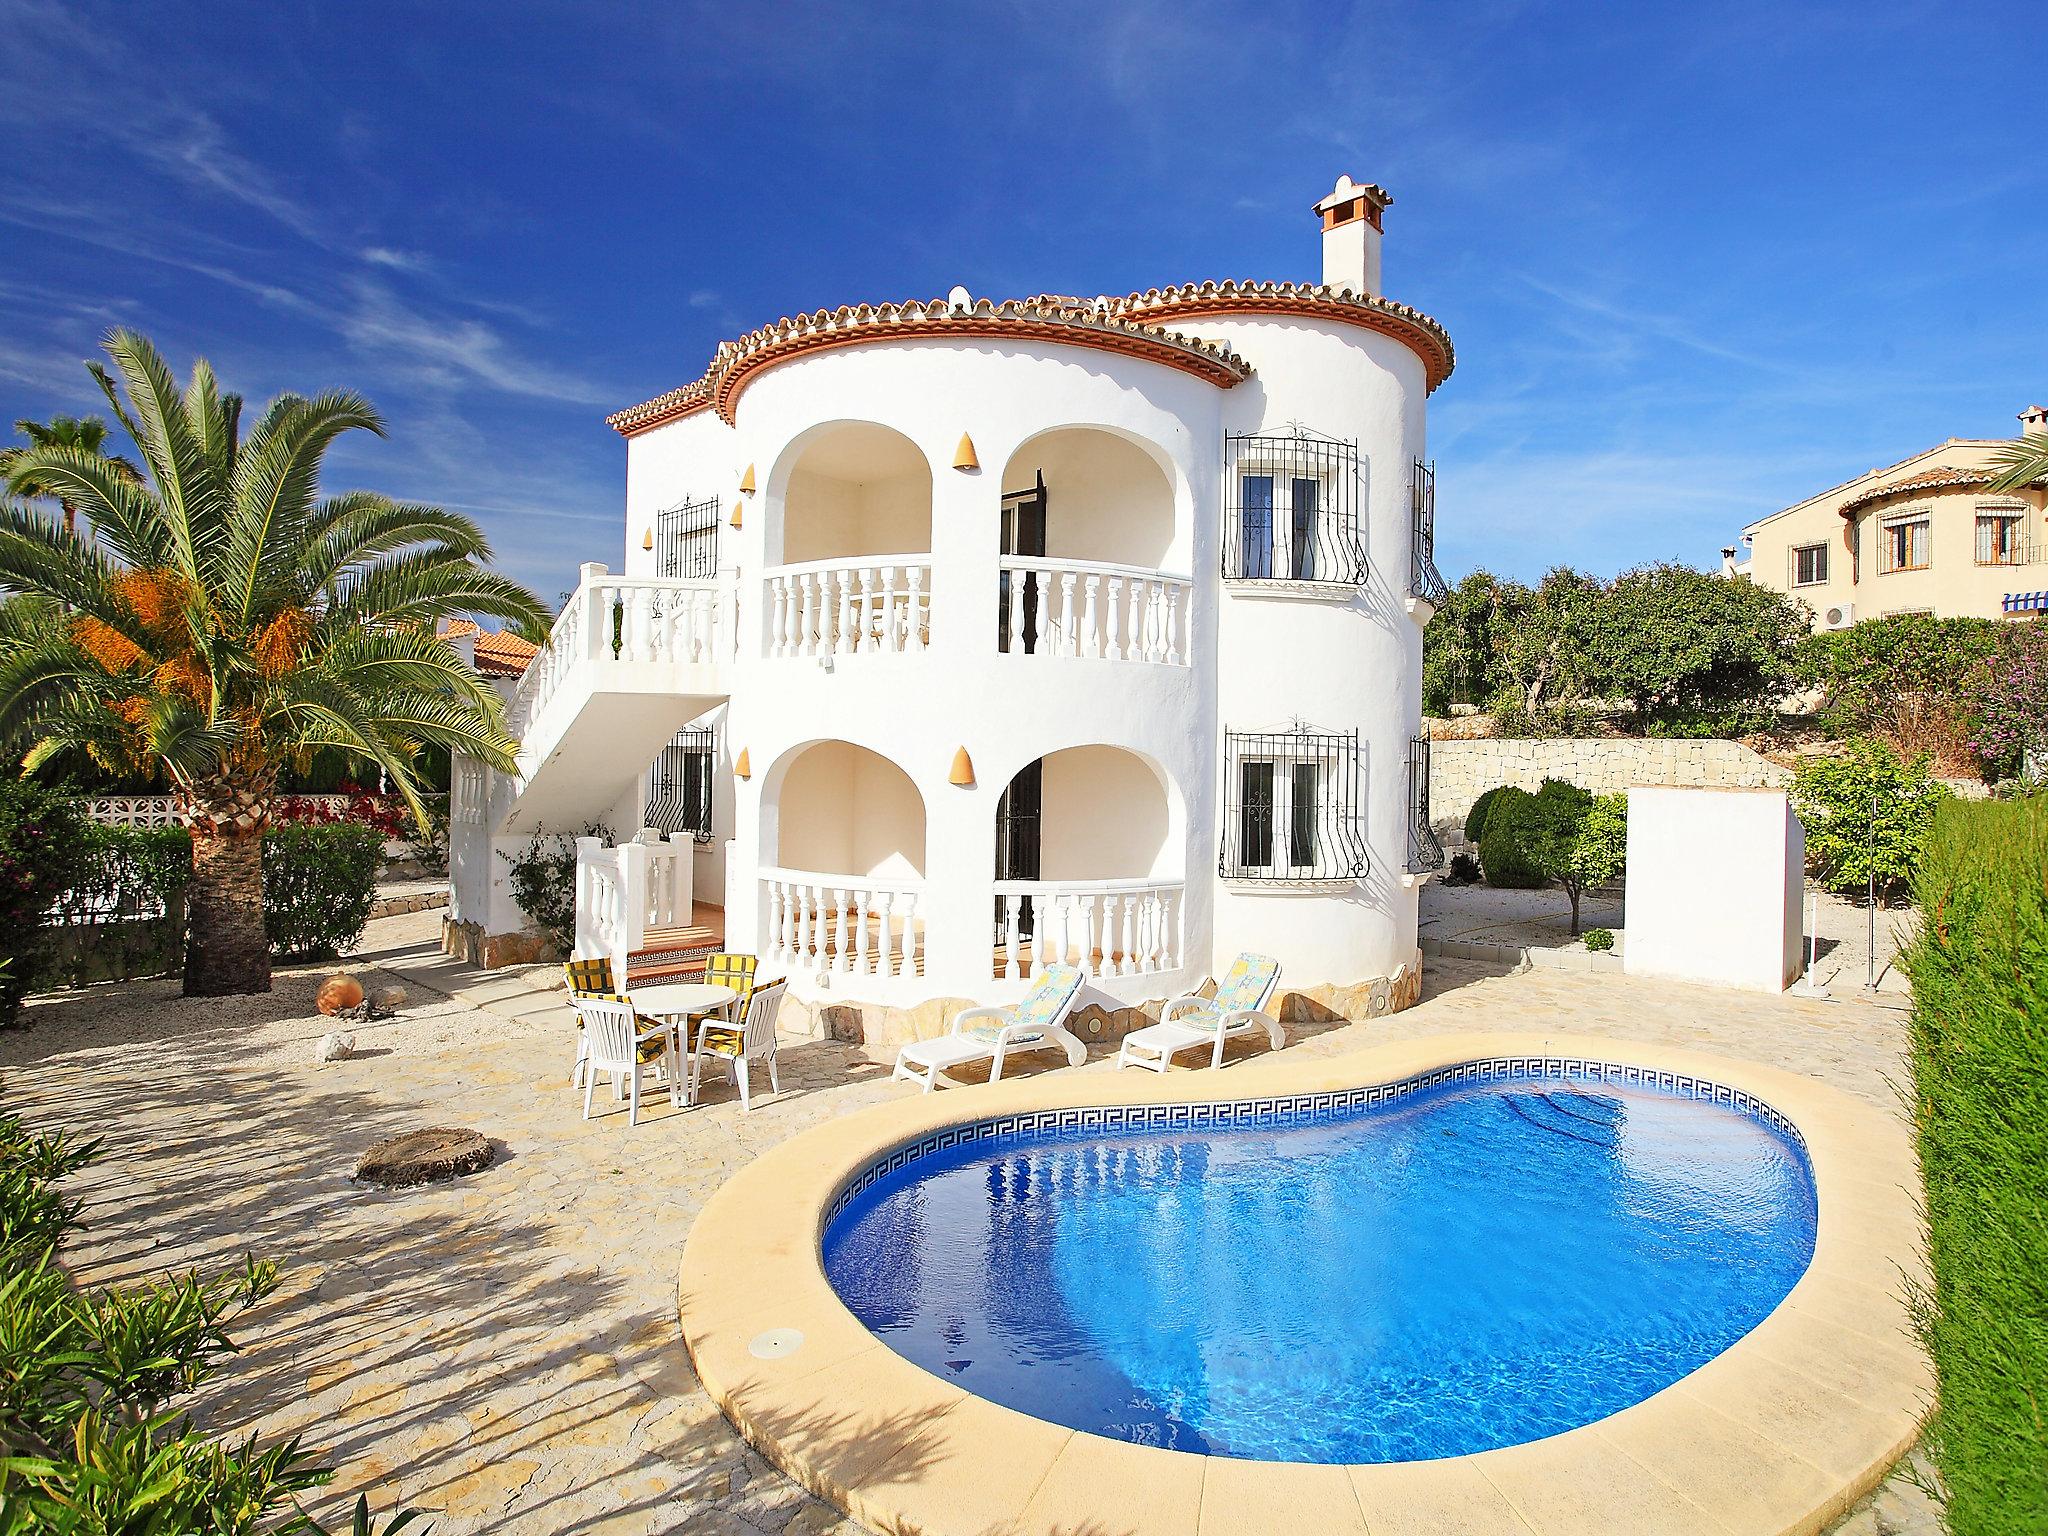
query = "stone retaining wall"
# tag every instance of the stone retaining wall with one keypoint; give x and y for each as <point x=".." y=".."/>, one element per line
<point x="1461" y="771"/>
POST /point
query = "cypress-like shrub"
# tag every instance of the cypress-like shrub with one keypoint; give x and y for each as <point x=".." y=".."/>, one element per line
<point x="319" y="880"/>
<point x="1503" y="855"/>
<point x="1979" y="969"/>
<point x="1475" y="819"/>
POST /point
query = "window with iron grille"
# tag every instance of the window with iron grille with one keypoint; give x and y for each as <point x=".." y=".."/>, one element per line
<point x="686" y="539"/>
<point x="1291" y="510"/>
<point x="1425" y="853"/>
<point x="679" y="785"/>
<point x="1293" y="804"/>
<point x="1906" y="541"/>
<point x="2001" y="535"/>
<point x="1810" y="565"/>
<point x="1425" y="580"/>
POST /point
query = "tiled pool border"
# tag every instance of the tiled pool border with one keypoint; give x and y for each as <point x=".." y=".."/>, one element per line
<point x="1273" y="1110"/>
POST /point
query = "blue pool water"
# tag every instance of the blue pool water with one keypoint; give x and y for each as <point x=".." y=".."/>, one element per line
<point x="1473" y="1265"/>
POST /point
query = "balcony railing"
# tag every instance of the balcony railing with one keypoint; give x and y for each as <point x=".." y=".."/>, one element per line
<point x="619" y="618"/>
<point x="1109" y="927"/>
<point x="1050" y="607"/>
<point x="841" y="608"/>
<point x="1425" y="853"/>
<point x="623" y="892"/>
<point x="1425" y="581"/>
<point x="854" y="925"/>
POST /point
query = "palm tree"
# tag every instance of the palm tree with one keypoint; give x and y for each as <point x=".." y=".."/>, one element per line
<point x="88" y="434"/>
<point x="230" y="620"/>
<point x="2022" y="463"/>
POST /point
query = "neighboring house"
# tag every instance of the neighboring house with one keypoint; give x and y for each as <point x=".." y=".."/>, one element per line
<point x="1923" y="536"/>
<point x="1054" y="626"/>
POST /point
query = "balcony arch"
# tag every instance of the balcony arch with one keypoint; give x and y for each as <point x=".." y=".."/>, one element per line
<point x="1091" y="864"/>
<point x="849" y="540"/>
<point x="1092" y="530"/>
<point x="842" y="833"/>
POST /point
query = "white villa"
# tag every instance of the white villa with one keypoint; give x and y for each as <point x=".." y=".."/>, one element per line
<point x="954" y="637"/>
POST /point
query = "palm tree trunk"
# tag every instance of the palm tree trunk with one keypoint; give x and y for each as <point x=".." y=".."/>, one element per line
<point x="226" y="951"/>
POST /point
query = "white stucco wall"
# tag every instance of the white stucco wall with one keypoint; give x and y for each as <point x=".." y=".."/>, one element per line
<point x="1715" y="881"/>
<point x="1106" y="499"/>
<point x="1107" y="816"/>
<point x="842" y="809"/>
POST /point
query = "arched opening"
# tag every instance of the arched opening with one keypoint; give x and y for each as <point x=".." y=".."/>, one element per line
<point x="857" y="491"/>
<point x="1088" y="529"/>
<point x="839" y="809"/>
<point x="843" y="848"/>
<point x="1089" y="864"/>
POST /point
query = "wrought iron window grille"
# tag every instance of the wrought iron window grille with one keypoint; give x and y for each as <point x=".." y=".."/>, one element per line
<point x="1425" y="581"/>
<point x="1294" y="804"/>
<point x="1292" y="509"/>
<point x="679" y="784"/>
<point x="686" y="539"/>
<point x="1425" y="853"/>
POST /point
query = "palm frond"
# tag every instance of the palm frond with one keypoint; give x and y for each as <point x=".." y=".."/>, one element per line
<point x="104" y="489"/>
<point x="2022" y="463"/>
<point x="361" y="526"/>
<point x="274" y="484"/>
<point x="194" y="499"/>
<point x="422" y="587"/>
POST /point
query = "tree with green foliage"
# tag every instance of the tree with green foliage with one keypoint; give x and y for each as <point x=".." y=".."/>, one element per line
<point x="1866" y="814"/>
<point x="1545" y="652"/>
<point x="1572" y="837"/>
<point x="231" y="621"/>
<point x="1457" y="647"/>
<point x="44" y="847"/>
<point x="2011" y="705"/>
<point x="1892" y="674"/>
<point x="1693" y="653"/>
<point x="81" y="434"/>
<point x="1979" y="1055"/>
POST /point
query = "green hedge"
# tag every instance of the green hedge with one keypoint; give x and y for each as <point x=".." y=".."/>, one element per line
<point x="1979" y="969"/>
<point x="1502" y="854"/>
<point x="42" y="851"/>
<point x="319" y="880"/>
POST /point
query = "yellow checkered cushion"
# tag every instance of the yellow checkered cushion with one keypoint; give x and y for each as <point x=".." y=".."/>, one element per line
<point x="735" y="971"/>
<point x="589" y="976"/>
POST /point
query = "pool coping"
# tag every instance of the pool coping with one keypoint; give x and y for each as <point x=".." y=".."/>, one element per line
<point x="1779" y="1434"/>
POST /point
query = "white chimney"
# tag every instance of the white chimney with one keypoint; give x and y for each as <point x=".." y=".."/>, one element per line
<point x="2034" y="421"/>
<point x="1351" y="236"/>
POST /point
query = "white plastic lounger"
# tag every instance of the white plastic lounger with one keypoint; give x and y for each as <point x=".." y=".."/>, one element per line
<point x="990" y="1034"/>
<point x="1239" y="1005"/>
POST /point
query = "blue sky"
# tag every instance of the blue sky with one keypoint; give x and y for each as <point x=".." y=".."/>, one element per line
<point x="1698" y="261"/>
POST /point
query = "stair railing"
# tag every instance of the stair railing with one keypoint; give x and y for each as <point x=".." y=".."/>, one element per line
<point x="623" y="892"/>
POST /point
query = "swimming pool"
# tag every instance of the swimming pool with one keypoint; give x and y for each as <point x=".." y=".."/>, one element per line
<point x="1479" y="1258"/>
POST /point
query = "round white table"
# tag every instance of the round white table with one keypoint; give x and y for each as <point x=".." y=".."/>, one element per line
<point x="674" y="1003"/>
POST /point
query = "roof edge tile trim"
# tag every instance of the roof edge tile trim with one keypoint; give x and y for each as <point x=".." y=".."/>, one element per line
<point x="1941" y="478"/>
<point x="1313" y="301"/>
<point x="738" y="362"/>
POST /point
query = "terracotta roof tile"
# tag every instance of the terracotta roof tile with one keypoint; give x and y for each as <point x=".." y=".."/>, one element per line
<point x="1943" y="477"/>
<point x="503" y="655"/>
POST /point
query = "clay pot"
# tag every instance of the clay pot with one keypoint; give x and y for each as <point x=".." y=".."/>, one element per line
<point x="338" y="993"/>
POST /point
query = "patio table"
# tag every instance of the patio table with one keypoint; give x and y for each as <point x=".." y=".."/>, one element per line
<point x="675" y="1002"/>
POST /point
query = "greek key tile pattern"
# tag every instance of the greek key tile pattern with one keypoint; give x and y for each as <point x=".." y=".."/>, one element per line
<point x="1253" y="1113"/>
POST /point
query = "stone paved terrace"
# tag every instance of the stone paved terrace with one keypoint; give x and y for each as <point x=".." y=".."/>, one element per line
<point x="504" y="1350"/>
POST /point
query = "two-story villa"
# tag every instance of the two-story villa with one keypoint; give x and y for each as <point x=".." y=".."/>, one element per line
<point x="1921" y="536"/>
<point x="1003" y="631"/>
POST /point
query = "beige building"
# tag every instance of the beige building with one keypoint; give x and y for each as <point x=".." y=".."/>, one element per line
<point x="1922" y="536"/>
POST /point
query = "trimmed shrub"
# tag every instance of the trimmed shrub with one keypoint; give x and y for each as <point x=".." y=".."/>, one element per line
<point x="43" y="837"/>
<point x="1598" y="938"/>
<point x="1866" y="815"/>
<point x="318" y="882"/>
<point x="1475" y="819"/>
<point x="124" y="913"/>
<point x="1502" y="854"/>
<point x="1979" y="968"/>
<point x="1570" y="837"/>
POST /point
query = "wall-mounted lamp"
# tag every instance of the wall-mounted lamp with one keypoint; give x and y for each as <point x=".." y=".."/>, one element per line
<point x="747" y="482"/>
<point x="647" y="539"/>
<point x="742" y="767"/>
<point x="963" y="770"/>
<point x="964" y="456"/>
<point x="736" y="512"/>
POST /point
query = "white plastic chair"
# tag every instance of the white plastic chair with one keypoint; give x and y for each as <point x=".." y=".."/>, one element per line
<point x="1239" y="1005"/>
<point x="753" y="1039"/>
<point x="991" y="1034"/>
<point x="611" y="1043"/>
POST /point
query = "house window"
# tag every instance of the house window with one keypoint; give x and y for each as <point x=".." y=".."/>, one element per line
<point x="2001" y="535"/>
<point x="1292" y="510"/>
<point x="679" y="785"/>
<point x="1424" y="579"/>
<point x="1294" y="806"/>
<point x="1906" y="542"/>
<point x="1810" y="565"/>
<point x="1425" y="853"/>
<point x="686" y="539"/>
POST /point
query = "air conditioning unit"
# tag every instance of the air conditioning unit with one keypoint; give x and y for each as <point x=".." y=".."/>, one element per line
<point x="1838" y="616"/>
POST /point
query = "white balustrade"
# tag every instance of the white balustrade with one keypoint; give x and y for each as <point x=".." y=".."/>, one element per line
<point x="1086" y="608"/>
<point x="1112" y="927"/>
<point x="620" y="619"/>
<point x="853" y="925"/>
<point x="623" y="892"/>
<point x="841" y="608"/>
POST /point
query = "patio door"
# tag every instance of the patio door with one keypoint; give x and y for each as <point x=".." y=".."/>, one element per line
<point x="1017" y="837"/>
<point x="1023" y="534"/>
